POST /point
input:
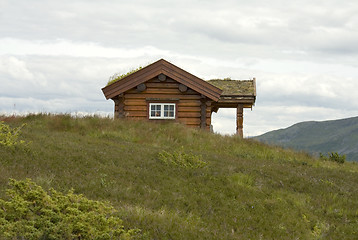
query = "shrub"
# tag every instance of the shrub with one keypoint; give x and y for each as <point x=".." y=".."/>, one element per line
<point x="32" y="213"/>
<point x="334" y="157"/>
<point x="9" y="136"/>
<point x="182" y="159"/>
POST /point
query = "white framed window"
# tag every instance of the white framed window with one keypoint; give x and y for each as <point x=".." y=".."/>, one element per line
<point x="161" y="110"/>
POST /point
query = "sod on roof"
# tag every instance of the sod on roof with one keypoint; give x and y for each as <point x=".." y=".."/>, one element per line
<point x="234" y="87"/>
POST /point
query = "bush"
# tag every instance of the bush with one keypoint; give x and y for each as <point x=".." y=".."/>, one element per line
<point x="182" y="159"/>
<point x="334" y="157"/>
<point x="32" y="213"/>
<point x="9" y="136"/>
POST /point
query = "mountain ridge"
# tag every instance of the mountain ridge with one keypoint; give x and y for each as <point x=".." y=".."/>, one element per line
<point x="316" y="137"/>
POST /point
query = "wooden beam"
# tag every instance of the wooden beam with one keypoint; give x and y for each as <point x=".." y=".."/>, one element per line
<point x="240" y="120"/>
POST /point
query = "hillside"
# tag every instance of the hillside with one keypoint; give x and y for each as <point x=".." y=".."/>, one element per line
<point x="178" y="183"/>
<point x="319" y="137"/>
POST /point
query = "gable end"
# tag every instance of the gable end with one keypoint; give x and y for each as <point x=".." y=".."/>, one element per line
<point x="168" y="69"/>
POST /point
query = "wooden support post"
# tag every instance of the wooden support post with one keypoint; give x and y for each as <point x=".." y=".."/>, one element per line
<point x="203" y="113"/>
<point x="118" y="107"/>
<point x="240" y="120"/>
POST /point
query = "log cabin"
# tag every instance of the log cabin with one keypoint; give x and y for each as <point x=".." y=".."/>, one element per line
<point x="163" y="91"/>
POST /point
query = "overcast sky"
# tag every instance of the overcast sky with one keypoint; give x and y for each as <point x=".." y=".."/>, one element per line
<point x="55" y="56"/>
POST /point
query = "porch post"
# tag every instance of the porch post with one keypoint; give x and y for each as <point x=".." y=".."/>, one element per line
<point x="240" y="120"/>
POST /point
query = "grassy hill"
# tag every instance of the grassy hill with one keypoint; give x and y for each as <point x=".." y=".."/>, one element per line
<point x="319" y="137"/>
<point x="178" y="183"/>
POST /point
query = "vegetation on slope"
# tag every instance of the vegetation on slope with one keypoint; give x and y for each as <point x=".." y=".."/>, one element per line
<point x="118" y="76"/>
<point x="178" y="183"/>
<point x="339" y="136"/>
<point x="31" y="213"/>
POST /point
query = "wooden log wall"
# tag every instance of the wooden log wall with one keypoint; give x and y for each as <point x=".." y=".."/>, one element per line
<point x="188" y="103"/>
<point x="118" y="106"/>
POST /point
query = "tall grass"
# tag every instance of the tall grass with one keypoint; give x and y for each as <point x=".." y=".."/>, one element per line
<point x="242" y="189"/>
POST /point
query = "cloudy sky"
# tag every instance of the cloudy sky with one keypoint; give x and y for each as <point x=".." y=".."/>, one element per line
<point x="55" y="56"/>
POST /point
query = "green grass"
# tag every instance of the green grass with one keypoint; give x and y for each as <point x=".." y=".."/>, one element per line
<point x="116" y="77"/>
<point x="206" y="186"/>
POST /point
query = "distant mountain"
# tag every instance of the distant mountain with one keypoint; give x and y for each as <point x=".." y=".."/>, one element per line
<point x="328" y="136"/>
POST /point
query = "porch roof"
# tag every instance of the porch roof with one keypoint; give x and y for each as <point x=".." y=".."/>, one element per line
<point x="235" y="92"/>
<point x="235" y="87"/>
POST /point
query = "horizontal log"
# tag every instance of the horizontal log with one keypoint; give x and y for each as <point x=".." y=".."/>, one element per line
<point x="180" y="116"/>
<point x="189" y="121"/>
<point x="189" y="109"/>
<point x="140" y="111"/>
<point x="135" y="108"/>
<point x="228" y="103"/>
<point x="189" y="104"/>
<point x="162" y="85"/>
<point x="162" y="91"/>
<point x="146" y="95"/>
<point x="192" y="121"/>
<point x="191" y="114"/>
<point x="189" y="101"/>
<point x="136" y="113"/>
<point x="181" y="103"/>
<point x="248" y="105"/>
<point x="188" y="115"/>
<point x="135" y="102"/>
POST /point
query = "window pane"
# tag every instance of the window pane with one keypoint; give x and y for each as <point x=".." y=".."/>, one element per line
<point x="166" y="108"/>
<point x="155" y="110"/>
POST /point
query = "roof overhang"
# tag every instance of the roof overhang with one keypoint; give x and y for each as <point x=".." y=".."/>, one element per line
<point x="229" y="101"/>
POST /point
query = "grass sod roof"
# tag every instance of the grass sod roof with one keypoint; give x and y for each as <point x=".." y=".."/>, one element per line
<point x="117" y="76"/>
<point x="235" y="87"/>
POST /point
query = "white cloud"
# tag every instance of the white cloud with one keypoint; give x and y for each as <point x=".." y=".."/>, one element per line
<point x="63" y="47"/>
<point x="15" y="68"/>
<point x="56" y="56"/>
